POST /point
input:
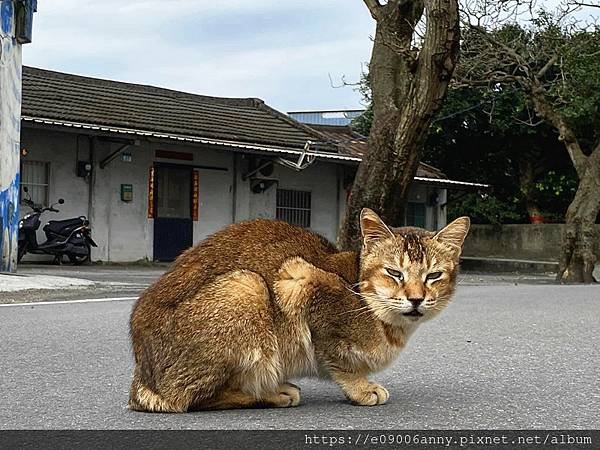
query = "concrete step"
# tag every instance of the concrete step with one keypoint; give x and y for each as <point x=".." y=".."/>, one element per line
<point x="484" y="264"/>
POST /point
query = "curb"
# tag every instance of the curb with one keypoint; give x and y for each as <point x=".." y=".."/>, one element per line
<point x="13" y="283"/>
<point x="477" y="264"/>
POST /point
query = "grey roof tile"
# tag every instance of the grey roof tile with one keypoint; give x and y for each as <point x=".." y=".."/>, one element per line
<point x="60" y="96"/>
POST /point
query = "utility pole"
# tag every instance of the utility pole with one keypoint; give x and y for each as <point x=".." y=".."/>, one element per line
<point x="16" y="17"/>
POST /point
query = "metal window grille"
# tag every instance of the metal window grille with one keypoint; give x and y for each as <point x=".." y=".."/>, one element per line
<point x="415" y="214"/>
<point x="35" y="175"/>
<point x="294" y="207"/>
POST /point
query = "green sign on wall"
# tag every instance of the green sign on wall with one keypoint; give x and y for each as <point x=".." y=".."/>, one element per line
<point x="126" y="192"/>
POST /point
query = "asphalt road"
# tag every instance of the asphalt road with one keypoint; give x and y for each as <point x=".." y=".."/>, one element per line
<point x="129" y="280"/>
<point x="501" y="356"/>
<point x="131" y="275"/>
<point x="108" y="281"/>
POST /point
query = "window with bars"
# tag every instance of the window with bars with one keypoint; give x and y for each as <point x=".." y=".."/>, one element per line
<point x="415" y="214"/>
<point x="34" y="175"/>
<point x="294" y="207"/>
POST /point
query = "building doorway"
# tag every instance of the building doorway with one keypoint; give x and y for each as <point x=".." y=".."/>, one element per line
<point x="173" y="225"/>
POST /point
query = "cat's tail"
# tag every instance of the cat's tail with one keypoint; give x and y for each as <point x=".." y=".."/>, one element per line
<point x="142" y="398"/>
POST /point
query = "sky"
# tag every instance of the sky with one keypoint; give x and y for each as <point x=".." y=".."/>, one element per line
<point x="283" y="52"/>
<point x="286" y="52"/>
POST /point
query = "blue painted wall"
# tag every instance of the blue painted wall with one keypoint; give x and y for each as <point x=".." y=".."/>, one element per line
<point x="9" y="220"/>
<point x="6" y="16"/>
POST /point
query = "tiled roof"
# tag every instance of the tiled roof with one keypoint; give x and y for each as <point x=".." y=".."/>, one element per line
<point x="59" y="96"/>
<point x="352" y="143"/>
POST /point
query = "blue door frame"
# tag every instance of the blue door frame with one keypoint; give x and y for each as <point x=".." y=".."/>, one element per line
<point x="173" y="225"/>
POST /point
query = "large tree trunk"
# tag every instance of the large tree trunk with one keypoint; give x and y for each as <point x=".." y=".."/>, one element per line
<point x="527" y="176"/>
<point x="407" y="90"/>
<point x="578" y="259"/>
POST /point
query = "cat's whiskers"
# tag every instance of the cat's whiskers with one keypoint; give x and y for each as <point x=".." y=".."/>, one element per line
<point x="365" y="312"/>
<point x="357" y="309"/>
<point x="385" y="306"/>
<point x="351" y="288"/>
<point x="376" y="306"/>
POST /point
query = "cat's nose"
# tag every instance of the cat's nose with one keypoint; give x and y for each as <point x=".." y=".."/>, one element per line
<point x="416" y="302"/>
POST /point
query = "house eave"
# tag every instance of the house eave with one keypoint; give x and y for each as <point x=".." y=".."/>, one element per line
<point x="231" y="145"/>
<point x="243" y="147"/>
<point x="453" y="184"/>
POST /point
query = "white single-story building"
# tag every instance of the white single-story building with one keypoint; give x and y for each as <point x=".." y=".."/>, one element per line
<point x="156" y="170"/>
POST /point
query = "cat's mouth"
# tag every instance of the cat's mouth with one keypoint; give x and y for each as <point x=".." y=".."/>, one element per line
<point x="413" y="313"/>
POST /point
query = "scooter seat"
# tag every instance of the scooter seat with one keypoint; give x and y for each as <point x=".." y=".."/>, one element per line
<point x="64" y="226"/>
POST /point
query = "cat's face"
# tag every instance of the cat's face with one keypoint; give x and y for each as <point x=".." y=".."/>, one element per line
<point x="408" y="274"/>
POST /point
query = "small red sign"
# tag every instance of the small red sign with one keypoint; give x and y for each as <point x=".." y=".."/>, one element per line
<point x="195" y="194"/>
<point x="151" y="194"/>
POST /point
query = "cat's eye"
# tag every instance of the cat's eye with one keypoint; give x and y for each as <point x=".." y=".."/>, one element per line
<point x="433" y="276"/>
<point x="394" y="273"/>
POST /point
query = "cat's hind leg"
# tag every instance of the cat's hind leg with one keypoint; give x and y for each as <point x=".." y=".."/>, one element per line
<point x="285" y="396"/>
<point x="142" y="398"/>
<point x="232" y="357"/>
<point x="219" y="340"/>
<point x="297" y="283"/>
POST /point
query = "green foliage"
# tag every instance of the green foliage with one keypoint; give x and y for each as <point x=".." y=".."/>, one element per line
<point x="362" y="123"/>
<point x="485" y="209"/>
<point x="553" y="192"/>
<point x="579" y="94"/>
<point x="555" y="184"/>
<point x="488" y="145"/>
<point x="487" y="134"/>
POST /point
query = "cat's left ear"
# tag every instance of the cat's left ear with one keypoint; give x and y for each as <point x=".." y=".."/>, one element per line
<point x="372" y="227"/>
<point x="454" y="233"/>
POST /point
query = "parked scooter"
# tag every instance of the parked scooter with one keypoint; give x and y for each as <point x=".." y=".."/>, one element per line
<point x="71" y="237"/>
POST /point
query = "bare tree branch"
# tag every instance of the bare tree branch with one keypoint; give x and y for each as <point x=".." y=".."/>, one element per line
<point x="374" y="8"/>
<point x="547" y="67"/>
<point x="590" y="5"/>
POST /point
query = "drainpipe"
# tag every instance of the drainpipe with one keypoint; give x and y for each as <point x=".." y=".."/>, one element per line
<point x="91" y="179"/>
<point x="234" y="189"/>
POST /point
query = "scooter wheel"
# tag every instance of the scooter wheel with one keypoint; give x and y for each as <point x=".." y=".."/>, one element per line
<point x="21" y="252"/>
<point x="80" y="259"/>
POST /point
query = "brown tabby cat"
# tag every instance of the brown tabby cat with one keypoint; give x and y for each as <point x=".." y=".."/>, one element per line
<point x="261" y="302"/>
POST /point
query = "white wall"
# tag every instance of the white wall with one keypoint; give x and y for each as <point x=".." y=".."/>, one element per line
<point x="321" y="179"/>
<point x="60" y="151"/>
<point x="435" y="215"/>
<point x="128" y="222"/>
<point x="123" y="231"/>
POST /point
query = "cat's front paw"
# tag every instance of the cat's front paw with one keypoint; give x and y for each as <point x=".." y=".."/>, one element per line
<point x="371" y="394"/>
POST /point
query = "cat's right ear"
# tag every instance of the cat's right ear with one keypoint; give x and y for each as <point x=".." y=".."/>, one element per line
<point x="372" y="227"/>
<point x="454" y="233"/>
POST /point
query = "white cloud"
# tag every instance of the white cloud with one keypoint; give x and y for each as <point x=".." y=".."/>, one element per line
<point x="146" y="41"/>
<point x="281" y="51"/>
